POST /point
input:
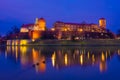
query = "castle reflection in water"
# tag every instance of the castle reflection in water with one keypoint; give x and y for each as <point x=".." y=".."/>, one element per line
<point x="61" y="57"/>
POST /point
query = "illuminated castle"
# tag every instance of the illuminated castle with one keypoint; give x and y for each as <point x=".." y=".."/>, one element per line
<point x="78" y="31"/>
<point x="69" y="31"/>
<point x="61" y="26"/>
<point x="102" y="23"/>
<point x="41" y="23"/>
<point x="34" y="30"/>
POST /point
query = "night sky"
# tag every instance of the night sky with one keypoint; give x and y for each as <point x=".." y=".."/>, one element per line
<point x="18" y="12"/>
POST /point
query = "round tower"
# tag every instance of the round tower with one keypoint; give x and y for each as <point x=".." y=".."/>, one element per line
<point x="42" y="24"/>
<point x="102" y="23"/>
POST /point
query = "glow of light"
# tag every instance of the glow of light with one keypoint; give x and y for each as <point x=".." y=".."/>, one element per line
<point x="81" y="59"/>
<point x="36" y="35"/>
<point x="53" y="29"/>
<point x="66" y="60"/>
<point x="102" y="23"/>
<point x="13" y="42"/>
<point x="23" y="49"/>
<point x="118" y="52"/>
<point x="80" y="30"/>
<point x="88" y="55"/>
<point x="23" y="42"/>
<point x="37" y="59"/>
<point x="24" y="30"/>
<point x="65" y="29"/>
<point x="42" y="66"/>
<point x="8" y="42"/>
<point x="33" y="40"/>
<point x="35" y="55"/>
<point x="103" y="66"/>
<point x="103" y="57"/>
<point x="93" y="58"/>
<point x="53" y="59"/>
<point x="76" y="38"/>
<point x="59" y="35"/>
<point x="16" y="42"/>
<point x="42" y="24"/>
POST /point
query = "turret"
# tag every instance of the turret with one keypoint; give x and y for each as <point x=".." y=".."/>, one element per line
<point x="102" y="23"/>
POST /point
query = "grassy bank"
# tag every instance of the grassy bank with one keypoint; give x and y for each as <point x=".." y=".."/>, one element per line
<point x="102" y="42"/>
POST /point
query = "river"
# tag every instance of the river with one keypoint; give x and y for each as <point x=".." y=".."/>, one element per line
<point x="59" y="63"/>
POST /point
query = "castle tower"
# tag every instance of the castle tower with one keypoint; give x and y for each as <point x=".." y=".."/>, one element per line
<point x="102" y="23"/>
<point x="41" y="23"/>
<point x="38" y="28"/>
<point x="36" y="21"/>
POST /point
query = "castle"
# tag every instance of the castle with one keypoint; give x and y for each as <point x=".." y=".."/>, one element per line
<point x="67" y="31"/>
<point x="34" y="30"/>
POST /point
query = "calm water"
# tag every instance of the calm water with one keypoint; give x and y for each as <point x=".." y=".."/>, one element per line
<point x="59" y="63"/>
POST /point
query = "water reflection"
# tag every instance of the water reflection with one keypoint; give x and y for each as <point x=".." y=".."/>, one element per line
<point x="38" y="61"/>
<point x="80" y="57"/>
<point x="27" y="56"/>
<point x="61" y="57"/>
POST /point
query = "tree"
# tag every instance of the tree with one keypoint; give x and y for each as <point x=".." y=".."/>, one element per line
<point x="0" y="36"/>
<point x="13" y="30"/>
<point x="118" y="32"/>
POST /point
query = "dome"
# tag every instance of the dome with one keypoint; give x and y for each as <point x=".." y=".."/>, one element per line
<point x="102" y="18"/>
<point x="41" y="19"/>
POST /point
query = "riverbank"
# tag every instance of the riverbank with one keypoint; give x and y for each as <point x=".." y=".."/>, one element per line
<point x="100" y="42"/>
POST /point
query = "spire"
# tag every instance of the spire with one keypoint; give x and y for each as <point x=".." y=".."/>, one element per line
<point x="36" y="21"/>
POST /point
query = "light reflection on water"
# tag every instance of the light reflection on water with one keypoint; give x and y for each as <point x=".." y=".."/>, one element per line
<point x="62" y="57"/>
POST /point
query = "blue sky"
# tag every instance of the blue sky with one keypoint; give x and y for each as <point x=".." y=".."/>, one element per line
<point x="18" y="12"/>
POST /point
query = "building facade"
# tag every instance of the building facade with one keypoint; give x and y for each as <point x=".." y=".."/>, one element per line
<point x="67" y="31"/>
<point x="102" y="23"/>
<point x="83" y="27"/>
<point x="34" y="30"/>
<point x="82" y="30"/>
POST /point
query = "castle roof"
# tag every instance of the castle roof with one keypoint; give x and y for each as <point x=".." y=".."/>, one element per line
<point x="102" y="18"/>
<point x="82" y="24"/>
<point x="41" y="19"/>
<point x="27" y="25"/>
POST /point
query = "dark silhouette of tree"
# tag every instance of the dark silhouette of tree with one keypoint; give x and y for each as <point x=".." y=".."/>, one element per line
<point x="118" y="32"/>
<point x="13" y="30"/>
